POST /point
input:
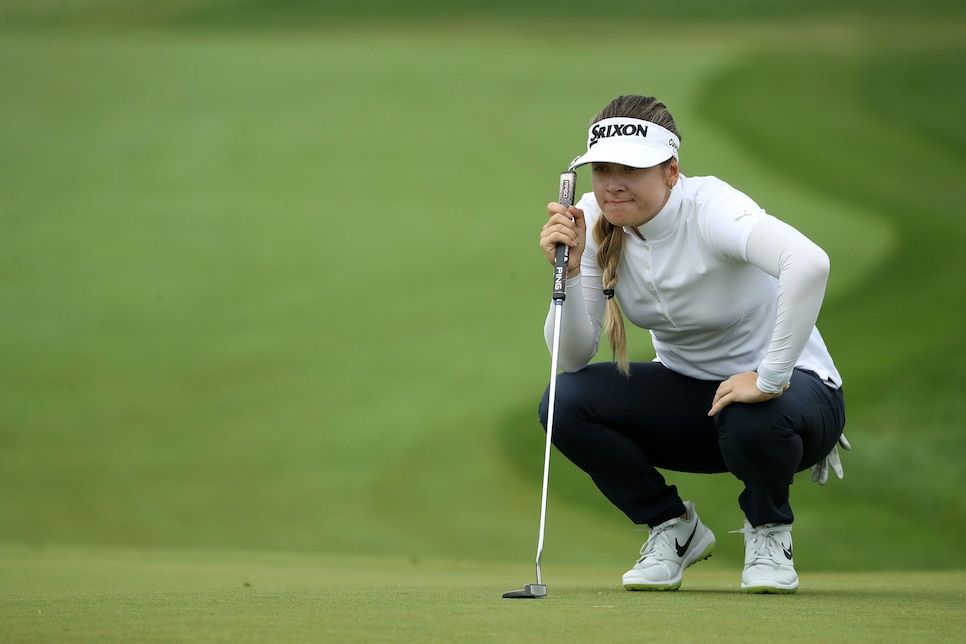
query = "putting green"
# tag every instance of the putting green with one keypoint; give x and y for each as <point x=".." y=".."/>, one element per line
<point x="95" y="594"/>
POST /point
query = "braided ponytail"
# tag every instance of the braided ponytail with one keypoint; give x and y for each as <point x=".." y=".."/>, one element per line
<point x="610" y="244"/>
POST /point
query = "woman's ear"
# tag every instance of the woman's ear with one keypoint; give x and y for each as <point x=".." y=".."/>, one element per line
<point x="673" y="173"/>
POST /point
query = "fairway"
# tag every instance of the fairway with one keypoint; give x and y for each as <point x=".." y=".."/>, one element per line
<point x="272" y="311"/>
<point x="82" y="594"/>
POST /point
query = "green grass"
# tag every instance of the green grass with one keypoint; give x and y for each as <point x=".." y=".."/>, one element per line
<point x="277" y="291"/>
<point x="295" y="14"/>
<point x="84" y="594"/>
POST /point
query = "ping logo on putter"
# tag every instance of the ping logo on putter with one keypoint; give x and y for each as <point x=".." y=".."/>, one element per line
<point x="568" y="182"/>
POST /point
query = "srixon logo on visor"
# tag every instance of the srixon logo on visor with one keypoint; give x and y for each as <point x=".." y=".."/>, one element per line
<point x="620" y="129"/>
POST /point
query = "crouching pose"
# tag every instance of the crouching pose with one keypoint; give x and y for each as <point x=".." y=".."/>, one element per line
<point x="742" y="382"/>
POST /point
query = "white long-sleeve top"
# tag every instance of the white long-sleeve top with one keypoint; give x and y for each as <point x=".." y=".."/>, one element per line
<point x="722" y="286"/>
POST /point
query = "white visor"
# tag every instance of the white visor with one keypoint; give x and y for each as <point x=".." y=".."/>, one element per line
<point x="631" y="142"/>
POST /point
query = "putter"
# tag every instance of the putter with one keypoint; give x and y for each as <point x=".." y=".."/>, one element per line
<point x="568" y="184"/>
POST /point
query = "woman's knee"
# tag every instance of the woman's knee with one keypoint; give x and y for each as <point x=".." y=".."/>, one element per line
<point x="758" y="446"/>
<point x="567" y="399"/>
<point x="753" y="426"/>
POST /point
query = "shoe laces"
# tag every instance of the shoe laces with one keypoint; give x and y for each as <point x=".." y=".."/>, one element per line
<point x="762" y="541"/>
<point x="659" y="541"/>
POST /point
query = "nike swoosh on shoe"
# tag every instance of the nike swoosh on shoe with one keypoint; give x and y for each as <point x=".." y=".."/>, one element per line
<point x="682" y="549"/>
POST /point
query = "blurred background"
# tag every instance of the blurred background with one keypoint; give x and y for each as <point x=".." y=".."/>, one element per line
<point x="269" y="277"/>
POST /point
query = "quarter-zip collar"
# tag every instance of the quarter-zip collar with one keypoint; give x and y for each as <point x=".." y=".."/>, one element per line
<point x="662" y="225"/>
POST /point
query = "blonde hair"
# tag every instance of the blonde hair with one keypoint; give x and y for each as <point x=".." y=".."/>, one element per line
<point x="610" y="238"/>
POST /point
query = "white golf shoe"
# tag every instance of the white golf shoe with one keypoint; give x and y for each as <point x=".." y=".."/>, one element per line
<point x="671" y="547"/>
<point x="769" y="567"/>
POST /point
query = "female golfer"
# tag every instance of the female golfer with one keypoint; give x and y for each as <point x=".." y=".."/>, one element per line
<point x="742" y="381"/>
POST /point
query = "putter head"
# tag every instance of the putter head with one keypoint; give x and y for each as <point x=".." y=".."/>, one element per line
<point x="530" y="591"/>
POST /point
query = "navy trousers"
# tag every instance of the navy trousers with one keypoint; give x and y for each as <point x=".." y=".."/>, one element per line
<point x="620" y="430"/>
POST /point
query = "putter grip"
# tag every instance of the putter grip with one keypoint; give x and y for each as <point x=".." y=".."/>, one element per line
<point x="568" y="186"/>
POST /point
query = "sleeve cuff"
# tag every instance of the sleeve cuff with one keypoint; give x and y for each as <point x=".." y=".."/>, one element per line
<point x="771" y="382"/>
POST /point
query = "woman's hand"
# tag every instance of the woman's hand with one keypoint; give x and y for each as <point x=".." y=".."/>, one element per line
<point x="564" y="226"/>
<point x="742" y="388"/>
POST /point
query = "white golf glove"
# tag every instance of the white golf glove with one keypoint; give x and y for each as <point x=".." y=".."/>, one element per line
<point x="820" y="469"/>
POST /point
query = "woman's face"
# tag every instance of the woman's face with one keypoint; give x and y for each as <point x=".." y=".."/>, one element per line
<point x="632" y="196"/>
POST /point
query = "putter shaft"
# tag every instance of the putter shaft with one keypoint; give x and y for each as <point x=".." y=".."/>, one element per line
<point x="568" y="182"/>
<point x="554" y="353"/>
